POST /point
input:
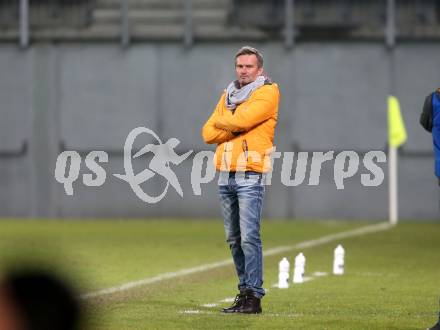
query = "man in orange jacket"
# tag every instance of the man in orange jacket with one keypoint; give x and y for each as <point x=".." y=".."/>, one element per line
<point x="243" y="125"/>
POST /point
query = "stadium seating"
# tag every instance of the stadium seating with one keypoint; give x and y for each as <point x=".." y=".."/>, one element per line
<point x="215" y="20"/>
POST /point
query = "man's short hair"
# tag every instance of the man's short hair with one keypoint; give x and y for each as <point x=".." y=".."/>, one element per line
<point x="248" y="50"/>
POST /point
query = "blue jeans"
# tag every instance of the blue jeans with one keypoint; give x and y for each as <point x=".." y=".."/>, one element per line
<point x="241" y="200"/>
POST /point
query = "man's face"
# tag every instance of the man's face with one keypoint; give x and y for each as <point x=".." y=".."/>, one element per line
<point x="246" y="68"/>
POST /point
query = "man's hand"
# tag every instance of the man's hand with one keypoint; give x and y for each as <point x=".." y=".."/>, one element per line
<point x="212" y="134"/>
<point x="226" y="122"/>
<point x="258" y="110"/>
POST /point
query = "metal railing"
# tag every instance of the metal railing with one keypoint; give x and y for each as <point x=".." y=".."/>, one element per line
<point x="346" y="19"/>
<point x="125" y="24"/>
<point x="188" y="34"/>
<point x="289" y="30"/>
<point x="24" y="23"/>
<point x="291" y="19"/>
<point x="390" y="27"/>
<point x="45" y="14"/>
<point x="188" y="31"/>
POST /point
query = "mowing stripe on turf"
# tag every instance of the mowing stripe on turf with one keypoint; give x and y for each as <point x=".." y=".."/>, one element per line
<point x="270" y="252"/>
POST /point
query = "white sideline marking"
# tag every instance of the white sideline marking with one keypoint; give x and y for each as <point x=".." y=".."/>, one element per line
<point x="226" y="300"/>
<point x="197" y="311"/>
<point x="306" y="278"/>
<point x="269" y="252"/>
<point x="191" y="312"/>
<point x="209" y="305"/>
<point x="318" y="274"/>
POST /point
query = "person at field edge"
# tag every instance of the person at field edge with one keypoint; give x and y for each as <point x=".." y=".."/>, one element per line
<point x="243" y="126"/>
<point x="430" y="120"/>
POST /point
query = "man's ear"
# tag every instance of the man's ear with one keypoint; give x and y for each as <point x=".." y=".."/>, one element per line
<point x="260" y="71"/>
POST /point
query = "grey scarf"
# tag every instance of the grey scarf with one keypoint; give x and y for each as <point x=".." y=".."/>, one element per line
<point x="236" y="95"/>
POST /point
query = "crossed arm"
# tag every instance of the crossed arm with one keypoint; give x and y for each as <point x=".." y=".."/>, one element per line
<point x="258" y="110"/>
<point x="212" y="134"/>
<point x="223" y="126"/>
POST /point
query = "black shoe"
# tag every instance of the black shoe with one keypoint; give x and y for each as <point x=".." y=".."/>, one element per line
<point x="436" y="326"/>
<point x="237" y="304"/>
<point x="252" y="304"/>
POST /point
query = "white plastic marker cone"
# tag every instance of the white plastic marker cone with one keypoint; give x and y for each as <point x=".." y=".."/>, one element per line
<point x="338" y="261"/>
<point x="300" y="265"/>
<point x="283" y="275"/>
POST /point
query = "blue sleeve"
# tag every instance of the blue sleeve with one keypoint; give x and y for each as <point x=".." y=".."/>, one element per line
<point x="436" y="131"/>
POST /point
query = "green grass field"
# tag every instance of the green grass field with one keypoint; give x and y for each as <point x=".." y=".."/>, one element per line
<point x="392" y="278"/>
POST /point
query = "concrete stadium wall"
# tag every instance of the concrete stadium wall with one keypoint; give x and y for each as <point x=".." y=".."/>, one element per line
<point x="89" y="97"/>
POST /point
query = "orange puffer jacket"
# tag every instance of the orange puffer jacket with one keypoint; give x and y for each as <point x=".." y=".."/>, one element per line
<point x="244" y="136"/>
